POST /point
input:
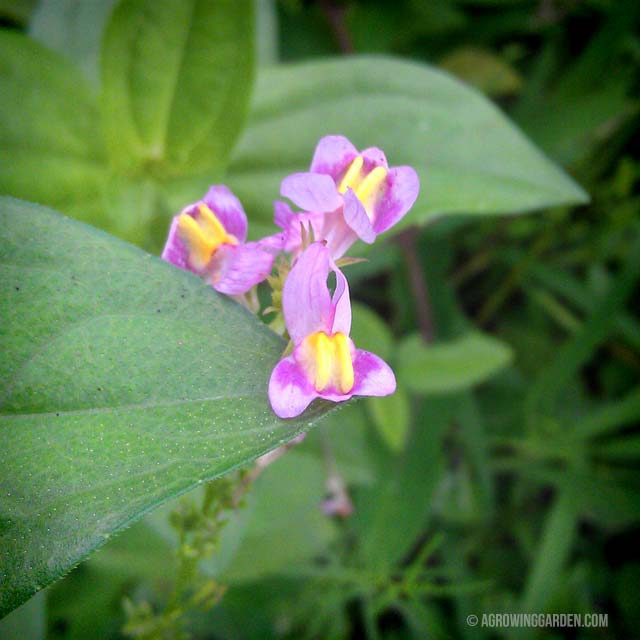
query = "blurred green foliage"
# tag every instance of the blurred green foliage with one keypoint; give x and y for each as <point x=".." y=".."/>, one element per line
<point x="521" y="494"/>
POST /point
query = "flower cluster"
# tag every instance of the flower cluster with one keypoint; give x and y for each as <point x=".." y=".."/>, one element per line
<point x="344" y="196"/>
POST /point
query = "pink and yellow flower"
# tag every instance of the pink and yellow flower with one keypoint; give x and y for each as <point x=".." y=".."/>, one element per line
<point x="324" y="363"/>
<point x="208" y="238"/>
<point x="346" y="195"/>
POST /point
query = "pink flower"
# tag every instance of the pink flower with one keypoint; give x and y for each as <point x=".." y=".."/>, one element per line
<point x="208" y="238"/>
<point x="346" y="195"/>
<point x="324" y="363"/>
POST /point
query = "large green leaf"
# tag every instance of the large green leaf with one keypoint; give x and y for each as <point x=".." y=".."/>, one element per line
<point x="176" y="78"/>
<point x="52" y="149"/>
<point x="450" y="366"/>
<point x="470" y="158"/>
<point x="50" y="138"/>
<point x="125" y="381"/>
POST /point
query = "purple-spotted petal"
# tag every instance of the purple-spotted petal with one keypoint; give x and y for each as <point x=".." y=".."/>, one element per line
<point x="402" y="190"/>
<point x="333" y="155"/>
<point x="311" y="191"/>
<point x="174" y="250"/>
<point x="356" y="217"/>
<point x="341" y="305"/>
<point x="228" y="210"/>
<point x="290" y="393"/>
<point x="372" y="375"/>
<point x="306" y="301"/>
<point x="236" y="269"/>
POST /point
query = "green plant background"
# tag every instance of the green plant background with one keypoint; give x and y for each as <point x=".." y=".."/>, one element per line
<point x="502" y="476"/>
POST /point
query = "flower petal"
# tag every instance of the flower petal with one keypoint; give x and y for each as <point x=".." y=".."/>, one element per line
<point x="227" y="208"/>
<point x="282" y="214"/>
<point x="374" y="157"/>
<point x="311" y="191"/>
<point x="174" y="250"/>
<point x="402" y="190"/>
<point x="290" y="393"/>
<point x="306" y="301"/>
<point x="333" y="155"/>
<point x="356" y="217"/>
<point x="235" y="269"/>
<point x="273" y="243"/>
<point x="337" y="234"/>
<point x="373" y="376"/>
<point x="341" y="305"/>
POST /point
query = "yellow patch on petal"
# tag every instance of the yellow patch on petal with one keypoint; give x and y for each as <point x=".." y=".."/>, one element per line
<point x="202" y="235"/>
<point x="352" y="176"/>
<point x="371" y="184"/>
<point x="327" y="361"/>
<point x="366" y="187"/>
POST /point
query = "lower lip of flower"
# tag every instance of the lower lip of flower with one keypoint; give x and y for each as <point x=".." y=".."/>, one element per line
<point x="327" y="361"/>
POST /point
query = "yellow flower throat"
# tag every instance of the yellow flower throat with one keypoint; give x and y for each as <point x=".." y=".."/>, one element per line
<point x="327" y="361"/>
<point x="364" y="186"/>
<point x="202" y="235"/>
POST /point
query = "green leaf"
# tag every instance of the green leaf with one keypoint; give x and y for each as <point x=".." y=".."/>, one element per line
<point x="125" y="381"/>
<point x="370" y="332"/>
<point x="450" y="366"/>
<point x="281" y="509"/>
<point x="88" y="602"/>
<point x="390" y="515"/>
<point x="28" y="621"/>
<point x="250" y="544"/>
<point x="266" y="32"/>
<point x="474" y="434"/>
<point x="50" y="142"/>
<point x="177" y="76"/>
<point x="609" y="417"/>
<point x="65" y="145"/>
<point x="552" y="553"/>
<point x="135" y="211"/>
<point x="344" y="439"/>
<point x="470" y="158"/>
<point x="392" y="416"/>
<point x="621" y="449"/>
<point x="74" y="29"/>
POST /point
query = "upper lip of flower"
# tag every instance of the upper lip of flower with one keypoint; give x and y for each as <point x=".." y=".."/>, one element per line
<point x="372" y="196"/>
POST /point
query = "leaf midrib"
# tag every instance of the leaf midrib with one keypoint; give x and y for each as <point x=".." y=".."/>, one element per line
<point x="126" y="407"/>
